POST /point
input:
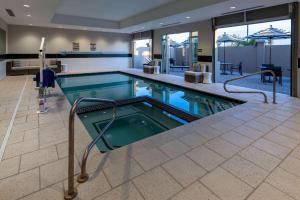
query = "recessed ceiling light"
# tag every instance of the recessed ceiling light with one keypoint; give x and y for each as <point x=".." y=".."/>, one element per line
<point x="188" y="17"/>
<point x="161" y="23"/>
<point x="28" y="15"/>
<point x="232" y="7"/>
<point x="26" y="5"/>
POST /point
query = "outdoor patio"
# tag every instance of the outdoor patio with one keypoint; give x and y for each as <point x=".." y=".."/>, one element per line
<point x="251" y="82"/>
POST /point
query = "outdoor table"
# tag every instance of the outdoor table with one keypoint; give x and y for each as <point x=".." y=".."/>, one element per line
<point x="224" y="68"/>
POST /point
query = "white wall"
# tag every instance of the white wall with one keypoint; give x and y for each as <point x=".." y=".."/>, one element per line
<point x="26" y="39"/>
<point x="95" y="64"/>
<point x="205" y="35"/>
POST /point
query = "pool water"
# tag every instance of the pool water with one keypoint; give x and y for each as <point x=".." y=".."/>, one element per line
<point x="138" y="120"/>
<point x="133" y="122"/>
<point x="119" y="86"/>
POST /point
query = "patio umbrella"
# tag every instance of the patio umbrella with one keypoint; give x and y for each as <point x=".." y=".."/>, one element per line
<point x="270" y="34"/>
<point x="225" y="38"/>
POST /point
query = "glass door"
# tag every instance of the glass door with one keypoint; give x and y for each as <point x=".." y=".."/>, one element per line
<point x="246" y="49"/>
<point x="179" y="52"/>
<point x="164" y="54"/>
<point x="194" y="41"/>
<point x="142" y="52"/>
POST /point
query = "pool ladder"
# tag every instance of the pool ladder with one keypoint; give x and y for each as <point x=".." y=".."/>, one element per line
<point x="254" y="92"/>
<point x="72" y="192"/>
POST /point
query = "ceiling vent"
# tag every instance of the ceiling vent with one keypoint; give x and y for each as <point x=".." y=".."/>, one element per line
<point x="10" y="12"/>
<point x="170" y="24"/>
<point x="243" y="10"/>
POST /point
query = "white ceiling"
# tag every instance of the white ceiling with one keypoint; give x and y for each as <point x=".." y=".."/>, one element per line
<point x="115" y="10"/>
<point x="120" y="15"/>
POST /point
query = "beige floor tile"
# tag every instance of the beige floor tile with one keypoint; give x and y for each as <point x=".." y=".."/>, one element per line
<point x="272" y="148"/>
<point x="285" y="182"/>
<point x="292" y="125"/>
<point x="296" y="153"/>
<point x="174" y="148"/>
<point x="292" y="165"/>
<point x="95" y="186"/>
<point x="37" y="158"/>
<point x="264" y="128"/>
<point x="19" y="185"/>
<point x="122" y="171"/>
<point x="193" y="140"/>
<point x="126" y="191"/>
<point x="195" y="192"/>
<point x="268" y="121"/>
<point x="157" y="184"/>
<point x="62" y="150"/>
<point x="226" y="185"/>
<point x="260" y="158"/>
<point x="205" y="158"/>
<point x="222" y="126"/>
<point x="222" y="147"/>
<point x="9" y="167"/>
<point x="245" y="170"/>
<point x="20" y="148"/>
<point x="207" y="132"/>
<point x="16" y="137"/>
<point x="53" y="138"/>
<point x="247" y="115"/>
<point x="151" y="158"/>
<point x="286" y="131"/>
<point x="249" y="132"/>
<point x="55" y="172"/>
<point x="32" y="134"/>
<point x="277" y="115"/>
<point x="54" y="192"/>
<point x="281" y="139"/>
<point x="268" y="192"/>
<point x="184" y="170"/>
<point x="237" y="139"/>
<point x="25" y="126"/>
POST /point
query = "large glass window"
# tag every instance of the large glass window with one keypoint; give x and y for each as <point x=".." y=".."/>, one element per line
<point x="142" y="50"/>
<point x="246" y="49"/>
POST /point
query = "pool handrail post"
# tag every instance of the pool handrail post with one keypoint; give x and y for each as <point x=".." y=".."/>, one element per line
<point x="254" y="92"/>
<point x="71" y="193"/>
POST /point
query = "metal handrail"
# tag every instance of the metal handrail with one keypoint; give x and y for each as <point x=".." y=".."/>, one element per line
<point x="72" y="192"/>
<point x="255" y="92"/>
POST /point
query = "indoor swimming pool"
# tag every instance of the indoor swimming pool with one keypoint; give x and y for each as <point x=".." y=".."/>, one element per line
<point x="145" y="107"/>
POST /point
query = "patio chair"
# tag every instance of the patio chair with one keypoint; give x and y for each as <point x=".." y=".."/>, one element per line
<point x="276" y="70"/>
<point x="153" y="67"/>
<point x="238" y="67"/>
<point x="172" y="61"/>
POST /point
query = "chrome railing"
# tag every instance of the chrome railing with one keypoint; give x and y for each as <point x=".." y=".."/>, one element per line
<point x="254" y="92"/>
<point x="72" y="192"/>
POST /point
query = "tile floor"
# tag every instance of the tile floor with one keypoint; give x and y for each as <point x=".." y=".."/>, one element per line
<point x="251" y="152"/>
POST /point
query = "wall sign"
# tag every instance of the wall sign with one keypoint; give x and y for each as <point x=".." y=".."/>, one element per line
<point x="92" y="46"/>
<point x="76" y="46"/>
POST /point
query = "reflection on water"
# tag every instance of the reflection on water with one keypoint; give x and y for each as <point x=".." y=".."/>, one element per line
<point x="119" y="86"/>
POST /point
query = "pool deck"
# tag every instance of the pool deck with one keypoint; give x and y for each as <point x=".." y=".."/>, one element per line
<point x="248" y="152"/>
